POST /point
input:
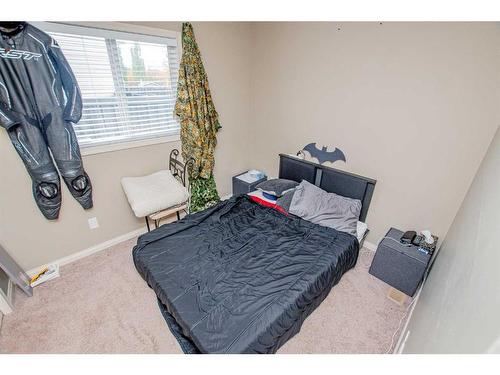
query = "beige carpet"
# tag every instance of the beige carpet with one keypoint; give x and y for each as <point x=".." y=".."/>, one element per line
<point x="100" y="304"/>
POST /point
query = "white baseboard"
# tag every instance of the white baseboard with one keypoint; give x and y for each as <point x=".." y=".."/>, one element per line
<point x="91" y="250"/>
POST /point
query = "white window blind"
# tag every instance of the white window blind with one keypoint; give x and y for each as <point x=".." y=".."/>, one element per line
<point x="128" y="83"/>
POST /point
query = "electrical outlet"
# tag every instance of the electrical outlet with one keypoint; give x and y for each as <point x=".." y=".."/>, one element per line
<point x="93" y="223"/>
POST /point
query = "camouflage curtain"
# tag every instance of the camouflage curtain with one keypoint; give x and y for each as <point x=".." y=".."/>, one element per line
<point x="199" y="123"/>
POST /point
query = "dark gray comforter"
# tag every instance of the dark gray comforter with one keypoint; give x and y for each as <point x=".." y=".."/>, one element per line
<point x="240" y="277"/>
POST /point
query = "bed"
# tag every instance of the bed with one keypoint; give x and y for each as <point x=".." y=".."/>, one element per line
<point x="240" y="277"/>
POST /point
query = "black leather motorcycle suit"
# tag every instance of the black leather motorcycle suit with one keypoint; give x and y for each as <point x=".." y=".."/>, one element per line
<point x="39" y="102"/>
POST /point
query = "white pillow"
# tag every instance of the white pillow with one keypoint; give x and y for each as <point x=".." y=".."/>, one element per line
<point x="155" y="192"/>
<point x="361" y="229"/>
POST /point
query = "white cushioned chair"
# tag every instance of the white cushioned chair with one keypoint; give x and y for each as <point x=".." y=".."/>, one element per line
<point x="160" y="194"/>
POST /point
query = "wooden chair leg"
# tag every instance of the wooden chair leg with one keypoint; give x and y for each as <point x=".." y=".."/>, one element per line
<point x="147" y="224"/>
<point x="178" y="215"/>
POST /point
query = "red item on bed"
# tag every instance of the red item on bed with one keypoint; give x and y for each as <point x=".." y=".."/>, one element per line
<point x="267" y="203"/>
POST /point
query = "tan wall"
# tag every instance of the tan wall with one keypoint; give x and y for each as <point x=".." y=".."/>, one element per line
<point x="413" y="105"/>
<point x="376" y="91"/>
<point x="33" y="241"/>
<point x="460" y="302"/>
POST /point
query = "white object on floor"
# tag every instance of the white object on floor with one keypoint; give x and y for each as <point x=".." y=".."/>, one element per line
<point x="52" y="273"/>
<point x="153" y="193"/>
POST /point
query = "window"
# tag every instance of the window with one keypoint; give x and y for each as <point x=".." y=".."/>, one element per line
<point x="128" y="83"/>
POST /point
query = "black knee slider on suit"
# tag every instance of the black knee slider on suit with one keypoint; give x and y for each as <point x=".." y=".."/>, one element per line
<point x="48" y="189"/>
<point x="79" y="183"/>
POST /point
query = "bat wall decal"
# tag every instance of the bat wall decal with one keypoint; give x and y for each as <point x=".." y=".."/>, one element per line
<point x="323" y="155"/>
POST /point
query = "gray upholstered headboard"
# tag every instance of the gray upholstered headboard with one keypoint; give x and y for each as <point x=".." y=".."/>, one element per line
<point x="329" y="179"/>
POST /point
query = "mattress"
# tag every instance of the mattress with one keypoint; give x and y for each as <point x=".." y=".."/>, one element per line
<point x="240" y="277"/>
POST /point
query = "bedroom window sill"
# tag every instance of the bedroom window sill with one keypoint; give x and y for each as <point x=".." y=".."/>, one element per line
<point x="92" y="150"/>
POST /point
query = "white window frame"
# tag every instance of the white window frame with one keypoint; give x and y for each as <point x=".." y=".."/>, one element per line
<point x="119" y="30"/>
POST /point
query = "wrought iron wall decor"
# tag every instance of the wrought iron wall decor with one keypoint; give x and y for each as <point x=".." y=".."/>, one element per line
<point x="323" y="155"/>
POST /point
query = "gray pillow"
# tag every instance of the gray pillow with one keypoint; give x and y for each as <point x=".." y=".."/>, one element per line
<point x="327" y="209"/>
<point x="277" y="186"/>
